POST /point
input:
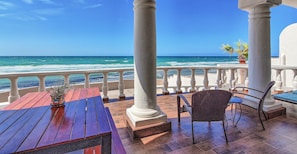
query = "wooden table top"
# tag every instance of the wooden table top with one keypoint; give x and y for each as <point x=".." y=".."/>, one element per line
<point x="30" y="125"/>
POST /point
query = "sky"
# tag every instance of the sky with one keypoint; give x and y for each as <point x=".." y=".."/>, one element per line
<point x="105" y="27"/>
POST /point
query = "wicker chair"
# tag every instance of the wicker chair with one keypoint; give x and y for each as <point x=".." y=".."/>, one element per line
<point x="259" y="98"/>
<point x="207" y="106"/>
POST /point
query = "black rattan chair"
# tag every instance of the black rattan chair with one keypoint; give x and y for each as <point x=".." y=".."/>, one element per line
<point x="207" y="106"/>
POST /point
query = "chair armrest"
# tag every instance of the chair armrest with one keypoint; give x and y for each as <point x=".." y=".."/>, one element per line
<point x="185" y="100"/>
<point x="248" y="88"/>
<point x="245" y="94"/>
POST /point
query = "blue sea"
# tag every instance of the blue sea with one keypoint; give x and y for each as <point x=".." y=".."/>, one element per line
<point x="15" y="64"/>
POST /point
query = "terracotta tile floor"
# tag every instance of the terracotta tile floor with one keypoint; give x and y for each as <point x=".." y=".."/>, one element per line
<point x="279" y="137"/>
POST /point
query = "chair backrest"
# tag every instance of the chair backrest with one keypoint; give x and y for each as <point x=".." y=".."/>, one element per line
<point x="210" y="105"/>
<point x="265" y="92"/>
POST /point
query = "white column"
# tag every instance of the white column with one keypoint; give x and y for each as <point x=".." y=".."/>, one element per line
<point x="259" y="45"/>
<point x="145" y="110"/>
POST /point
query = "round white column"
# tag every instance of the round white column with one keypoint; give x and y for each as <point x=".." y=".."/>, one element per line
<point x="259" y="47"/>
<point x="259" y="65"/>
<point x="145" y="110"/>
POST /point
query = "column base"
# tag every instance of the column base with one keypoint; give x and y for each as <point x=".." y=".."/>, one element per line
<point x="139" y="121"/>
<point x="148" y="130"/>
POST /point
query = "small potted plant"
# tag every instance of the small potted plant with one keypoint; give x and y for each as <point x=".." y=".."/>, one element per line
<point x="57" y="95"/>
<point x="241" y="50"/>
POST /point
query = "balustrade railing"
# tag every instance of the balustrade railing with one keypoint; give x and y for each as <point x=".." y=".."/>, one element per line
<point x="221" y="76"/>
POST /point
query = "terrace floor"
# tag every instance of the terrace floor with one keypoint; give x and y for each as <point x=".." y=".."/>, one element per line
<point x="279" y="137"/>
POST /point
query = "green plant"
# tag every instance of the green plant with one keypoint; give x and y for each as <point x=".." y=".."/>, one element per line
<point x="241" y="49"/>
<point x="58" y="92"/>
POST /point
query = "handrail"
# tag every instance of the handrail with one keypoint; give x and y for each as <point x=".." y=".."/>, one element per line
<point x="226" y="75"/>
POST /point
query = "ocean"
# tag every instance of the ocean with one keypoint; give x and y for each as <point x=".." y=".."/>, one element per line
<point x="15" y="64"/>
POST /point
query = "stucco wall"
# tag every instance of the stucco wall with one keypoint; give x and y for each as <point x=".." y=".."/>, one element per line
<point x="288" y="50"/>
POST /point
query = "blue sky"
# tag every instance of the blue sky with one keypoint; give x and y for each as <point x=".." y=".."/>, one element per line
<point x="105" y="27"/>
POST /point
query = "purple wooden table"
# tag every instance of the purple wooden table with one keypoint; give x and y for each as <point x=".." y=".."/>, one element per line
<point x="80" y="124"/>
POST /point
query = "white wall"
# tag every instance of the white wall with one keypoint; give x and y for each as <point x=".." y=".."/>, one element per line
<point x="288" y="50"/>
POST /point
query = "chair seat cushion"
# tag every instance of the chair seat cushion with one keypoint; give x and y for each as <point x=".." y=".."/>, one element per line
<point x="235" y="100"/>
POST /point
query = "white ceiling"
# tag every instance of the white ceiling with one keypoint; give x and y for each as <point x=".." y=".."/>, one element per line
<point x="292" y="3"/>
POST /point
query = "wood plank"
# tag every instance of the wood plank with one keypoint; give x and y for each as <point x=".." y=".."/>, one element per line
<point x="45" y="101"/>
<point x="17" y="125"/>
<point x="35" y="101"/>
<point x="19" y="103"/>
<point x="90" y="92"/>
<point x="4" y="115"/>
<point x="92" y="126"/>
<point x="79" y="121"/>
<point x="69" y="95"/>
<point x="96" y="92"/>
<point x="13" y="116"/>
<point x="33" y="138"/>
<point x="75" y="95"/>
<point x="83" y="93"/>
<point x="101" y="114"/>
<point x="66" y="126"/>
<point x="53" y="128"/>
<point x="24" y="131"/>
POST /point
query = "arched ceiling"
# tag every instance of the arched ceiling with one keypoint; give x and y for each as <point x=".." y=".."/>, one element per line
<point x="292" y="3"/>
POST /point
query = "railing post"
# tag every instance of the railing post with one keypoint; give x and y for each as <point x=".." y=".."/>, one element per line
<point x="193" y="81"/>
<point x="165" y="82"/>
<point x="295" y="79"/>
<point x="178" y="82"/>
<point x="278" y="82"/>
<point x="232" y="79"/>
<point x="66" y="79"/>
<point x="205" y="79"/>
<point x="87" y="80"/>
<point x="219" y="79"/>
<point x="105" y="87"/>
<point x="14" y="93"/>
<point x="121" y="87"/>
<point x="41" y="83"/>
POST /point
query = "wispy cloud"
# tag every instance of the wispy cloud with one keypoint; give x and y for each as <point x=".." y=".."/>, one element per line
<point x="48" y="2"/>
<point x="92" y="6"/>
<point x="51" y="2"/>
<point x="5" y="5"/>
<point x="4" y="15"/>
<point x="28" y="1"/>
<point x="80" y="1"/>
<point x="54" y="11"/>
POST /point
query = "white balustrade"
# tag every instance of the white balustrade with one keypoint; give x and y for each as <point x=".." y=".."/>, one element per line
<point x="220" y="81"/>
